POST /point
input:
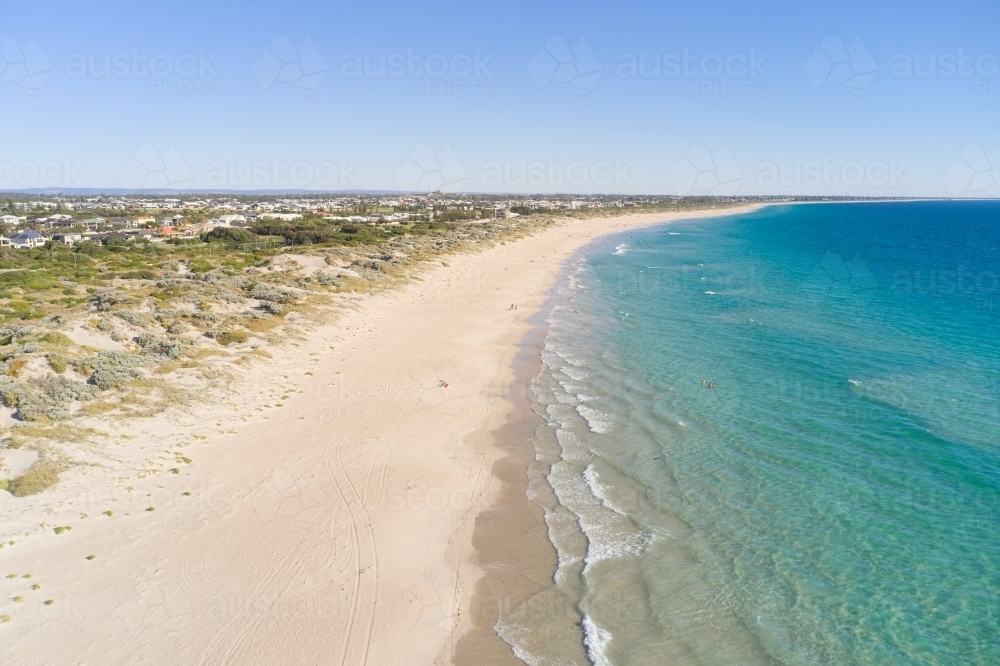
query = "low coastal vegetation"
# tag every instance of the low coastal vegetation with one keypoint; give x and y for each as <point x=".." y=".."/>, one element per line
<point x="125" y="327"/>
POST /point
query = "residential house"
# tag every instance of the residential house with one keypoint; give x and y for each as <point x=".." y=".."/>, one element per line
<point x="68" y="239"/>
<point x="10" y="219"/>
<point x="175" y="232"/>
<point x="233" y="220"/>
<point x="172" y="221"/>
<point x="114" y="235"/>
<point x="4" y="241"/>
<point x="27" y="239"/>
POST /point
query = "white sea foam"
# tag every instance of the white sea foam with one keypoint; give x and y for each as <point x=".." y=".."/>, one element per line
<point x="598" y="489"/>
<point x="561" y="525"/>
<point x="597" y="421"/>
<point x="597" y="641"/>
<point x="563" y="415"/>
<point x="512" y="634"/>
<point x="565" y="354"/>
<point x="565" y="398"/>
<point x="609" y="534"/>
<point x="621" y="249"/>
<point x="536" y="485"/>
<point x="855" y="382"/>
<point x="610" y="541"/>
<point x="572" y="447"/>
<point x="565" y="385"/>
<point x="574" y="279"/>
<point x="575" y="373"/>
<point x="673" y="233"/>
<point x="710" y="293"/>
<point x="571" y="490"/>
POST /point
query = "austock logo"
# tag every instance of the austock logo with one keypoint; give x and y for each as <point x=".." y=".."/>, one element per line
<point x="427" y="170"/>
<point x="150" y="169"/>
<point x="555" y="174"/>
<point x="835" y="62"/>
<point x="455" y="74"/>
<point x="888" y="177"/>
<point x="974" y="172"/>
<point x="277" y="173"/>
<point x="735" y="74"/>
<point x="25" y="64"/>
<point x="836" y="280"/>
<point x="704" y="172"/>
<point x="47" y="174"/>
<point x="286" y="62"/>
<point x="559" y="62"/>
<point x="184" y="74"/>
<point x="944" y="65"/>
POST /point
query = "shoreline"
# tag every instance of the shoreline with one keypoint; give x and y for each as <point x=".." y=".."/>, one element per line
<point x="340" y="524"/>
<point x="512" y="530"/>
<point x="514" y="558"/>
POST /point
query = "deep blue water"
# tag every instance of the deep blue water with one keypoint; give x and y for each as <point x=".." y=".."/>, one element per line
<point x="830" y="494"/>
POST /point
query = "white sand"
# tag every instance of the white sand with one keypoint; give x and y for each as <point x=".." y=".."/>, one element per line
<point x="332" y="530"/>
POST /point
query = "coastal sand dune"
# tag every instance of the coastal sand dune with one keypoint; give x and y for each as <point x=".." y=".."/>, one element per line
<point x="337" y="528"/>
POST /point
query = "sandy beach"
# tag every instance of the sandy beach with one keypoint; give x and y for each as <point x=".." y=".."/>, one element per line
<point x="335" y="528"/>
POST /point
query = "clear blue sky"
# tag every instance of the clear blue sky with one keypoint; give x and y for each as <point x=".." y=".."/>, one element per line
<point x="665" y="97"/>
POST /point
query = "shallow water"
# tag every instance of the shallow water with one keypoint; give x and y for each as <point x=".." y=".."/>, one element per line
<point x="773" y="439"/>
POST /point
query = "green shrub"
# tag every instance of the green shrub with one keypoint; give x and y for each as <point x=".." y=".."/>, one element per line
<point x="34" y="481"/>
<point x="200" y="266"/>
<point x="112" y="368"/>
<point x="11" y="278"/>
<point x="135" y="318"/>
<point x="105" y="300"/>
<point x="230" y="234"/>
<point x="227" y="338"/>
<point x="45" y="397"/>
<point x="57" y="338"/>
<point x="138" y="275"/>
<point x="15" y="366"/>
<point x="57" y="363"/>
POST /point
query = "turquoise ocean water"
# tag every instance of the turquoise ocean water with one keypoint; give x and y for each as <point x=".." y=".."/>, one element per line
<point x="774" y="438"/>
